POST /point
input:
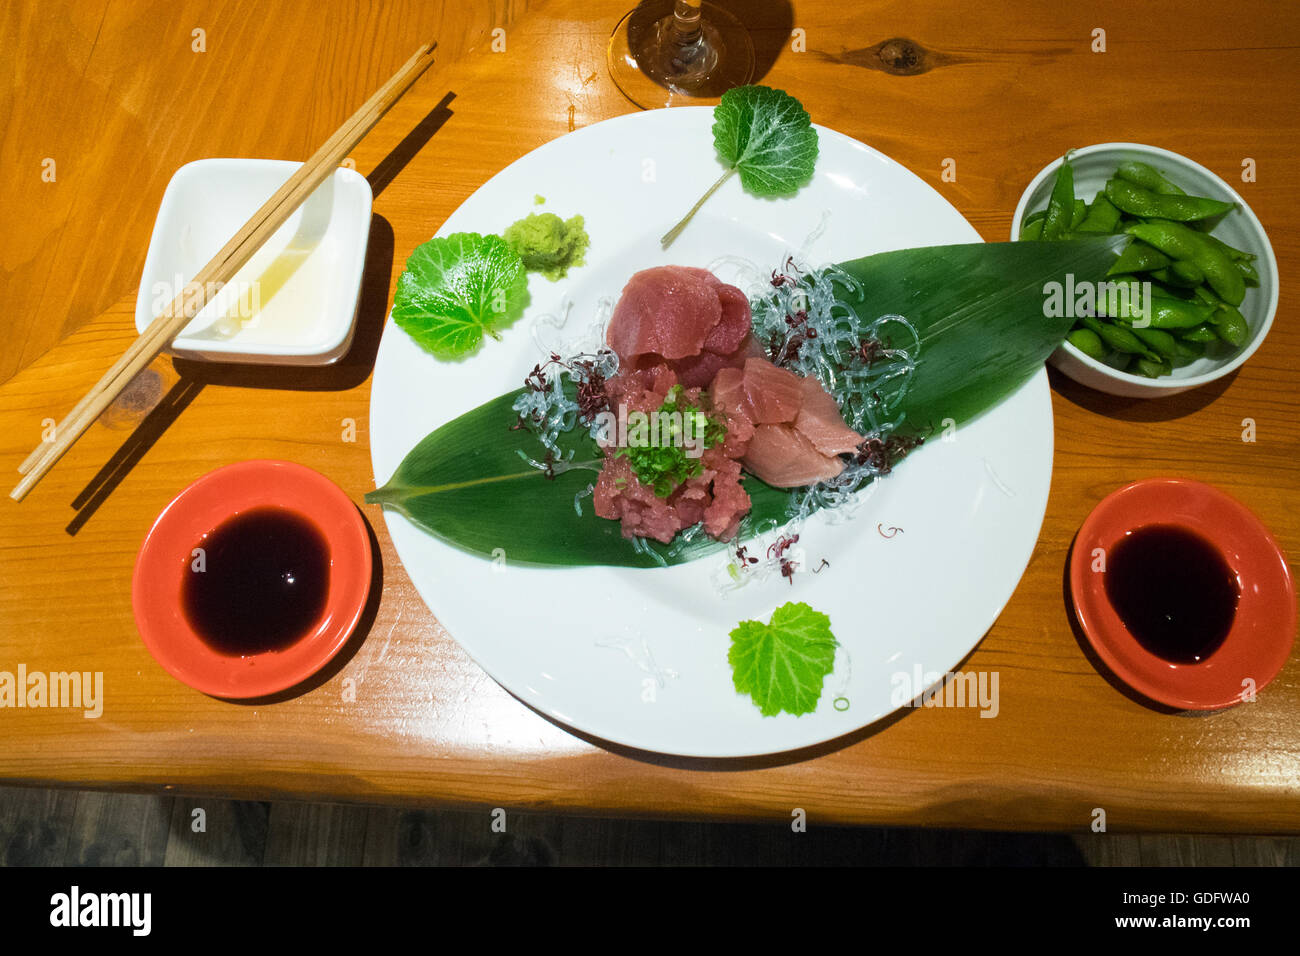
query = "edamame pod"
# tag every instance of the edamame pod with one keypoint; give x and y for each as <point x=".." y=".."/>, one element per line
<point x="1148" y="177"/>
<point x="1188" y="350"/>
<point x="1163" y="313"/>
<point x="1088" y="342"/>
<point x="1232" y="252"/>
<point x="1077" y="217"/>
<point x="1230" y="325"/>
<point x="1153" y="369"/>
<point x="1159" y="340"/>
<point x="1139" y="257"/>
<point x="1226" y="320"/>
<point x="1143" y="202"/>
<point x="1060" y="208"/>
<point x="1102" y="216"/>
<point x="1244" y="261"/>
<point x="1177" y="240"/>
<point x="1119" y="338"/>
<point x="1202" y="334"/>
<point x="1185" y="272"/>
<point x="1180" y="272"/>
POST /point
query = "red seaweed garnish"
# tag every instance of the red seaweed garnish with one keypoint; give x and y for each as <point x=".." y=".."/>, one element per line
<point x="590" y="395"/>
<point x="777" y="550"/>
<point x="787" y="570"/>
<point x="781" y="545"/>
<point x="869" y="350"/>
<point x="883" y="454"/>
<point x="536" y="379"/>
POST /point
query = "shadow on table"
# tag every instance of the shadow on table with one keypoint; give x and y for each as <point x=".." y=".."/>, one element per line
<point x="150" y="429"/>
<point x="411" y="143"/>
<point x="1138" y="409"/>
<point x="770" y="25"/>
<point x="349" y="372"/>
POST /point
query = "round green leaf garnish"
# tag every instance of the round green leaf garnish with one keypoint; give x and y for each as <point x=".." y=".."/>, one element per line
<point x="457" y="288"/>
<point x="767" y="136"/>
<point x="783" y="664"/>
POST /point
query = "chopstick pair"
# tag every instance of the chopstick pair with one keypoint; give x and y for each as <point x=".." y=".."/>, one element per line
<point x="220" y="270"/>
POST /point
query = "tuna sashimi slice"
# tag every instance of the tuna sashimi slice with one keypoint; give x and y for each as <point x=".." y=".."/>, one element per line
<point x="798" y="430"/>
<point x="761" y="391"/>
<point x="668" y="311"/>
<point x="684" y="316"/>
<point x="821" y="423"/>
<point x="784" y="458"/>
<point x="733" y="325"/>
<point x="772" y="394"/>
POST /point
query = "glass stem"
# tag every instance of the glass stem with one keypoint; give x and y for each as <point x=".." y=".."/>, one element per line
<point x="686" y="22"/>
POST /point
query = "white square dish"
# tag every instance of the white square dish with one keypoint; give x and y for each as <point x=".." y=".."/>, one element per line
<point x="295" y="301"/>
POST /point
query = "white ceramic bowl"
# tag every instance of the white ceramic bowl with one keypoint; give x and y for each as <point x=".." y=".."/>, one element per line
<point x="295" y="301"/>
<point x="1093" y="165"/>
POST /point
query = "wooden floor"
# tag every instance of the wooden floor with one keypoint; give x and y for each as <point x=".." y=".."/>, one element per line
<point x="83" y="828"/>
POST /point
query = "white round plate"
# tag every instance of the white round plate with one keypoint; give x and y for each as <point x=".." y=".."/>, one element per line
<point x="639" y="657"/>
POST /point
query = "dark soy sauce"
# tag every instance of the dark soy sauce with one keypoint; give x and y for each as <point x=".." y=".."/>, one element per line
<point x="1173" y="591"/>
<point x="264" y="582"/>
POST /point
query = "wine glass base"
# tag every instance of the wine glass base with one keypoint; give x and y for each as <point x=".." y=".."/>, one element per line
<point x="652" y="71"/>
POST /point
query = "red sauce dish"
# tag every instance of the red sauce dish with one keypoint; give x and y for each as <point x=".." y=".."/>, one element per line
<point x="164" y="612"/>
<point x="1259" y="638"/>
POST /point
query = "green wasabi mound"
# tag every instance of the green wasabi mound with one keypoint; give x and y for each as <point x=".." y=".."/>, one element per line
<point x="548" y="244"/>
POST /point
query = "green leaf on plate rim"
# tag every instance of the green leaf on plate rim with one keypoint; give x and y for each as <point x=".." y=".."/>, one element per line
<point x="767" y="136"/>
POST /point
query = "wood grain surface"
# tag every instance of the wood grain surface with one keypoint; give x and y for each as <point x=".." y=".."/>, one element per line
<point x="1001" y="94"/>
<point x="117" y="95"/>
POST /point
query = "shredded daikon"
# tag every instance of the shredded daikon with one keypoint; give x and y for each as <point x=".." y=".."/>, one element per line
<point x="801" y="318"/>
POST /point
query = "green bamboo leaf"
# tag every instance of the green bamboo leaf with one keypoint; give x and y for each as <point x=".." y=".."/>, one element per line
<point x="979" y="309"/>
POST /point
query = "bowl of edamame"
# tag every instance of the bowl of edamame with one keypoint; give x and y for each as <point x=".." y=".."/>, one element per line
<point x="1193" y="294"/>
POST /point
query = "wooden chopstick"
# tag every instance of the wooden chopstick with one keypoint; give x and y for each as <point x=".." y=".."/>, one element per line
<point x="278" y="208"/>
<point x="220" y="270"/>
<point x="190" y="303"/>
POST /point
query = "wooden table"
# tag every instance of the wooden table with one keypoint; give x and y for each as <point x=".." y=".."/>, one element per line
<point x="999" y="95"/>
